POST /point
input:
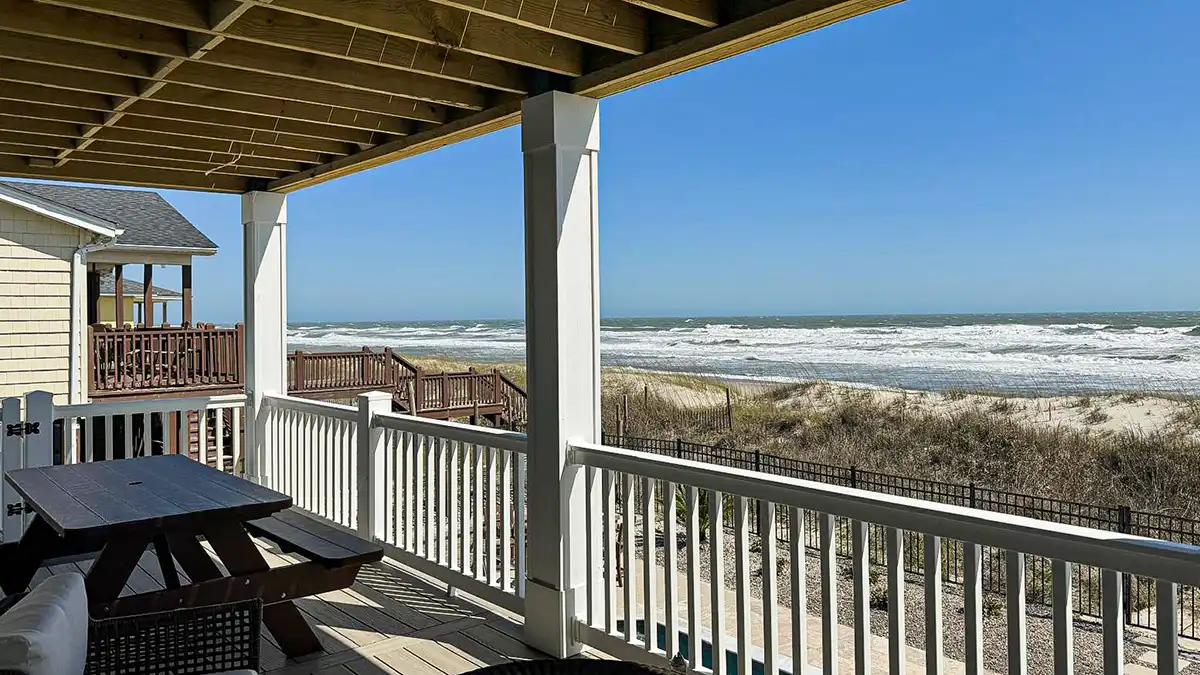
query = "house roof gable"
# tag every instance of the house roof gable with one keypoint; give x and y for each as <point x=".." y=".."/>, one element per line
<point x="143" y="219"/>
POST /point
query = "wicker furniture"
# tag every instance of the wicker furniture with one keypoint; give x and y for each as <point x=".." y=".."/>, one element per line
<point x="53" y="637"/>
<point x="194" y="641"/>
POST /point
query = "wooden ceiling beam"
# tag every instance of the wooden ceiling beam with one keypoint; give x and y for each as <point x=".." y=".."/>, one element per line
<point x="432" y="25"/>
<point x="21" y="138"/>
<point x="613" y="24"/>
<point x="36" y="18"/>
<point x="276" y="61"/>
<point x="701" y="12"/>
<point x="126" y="175"/>
<point x="32" y="93"/>
<point x="264" y="26"/>
<point x="40" y="127"/>
<point x="67" y="78"/>
<point x="262" y="68"/>
<point x="158" y="139"/>
<point x="303" y="33"/>
<point x="21" y="150"/>
<point x="157" y="109"/>
<point x="235" y="134"/>
<point x="52" y="113"/>
<point x="194" y="156"/>
<point x="448" y="28"/>
<point x="258" y="84"/>
<point x="292" y="110"/>
<point x="89" y="155"/>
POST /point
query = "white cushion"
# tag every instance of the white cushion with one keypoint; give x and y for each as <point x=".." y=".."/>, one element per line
<point x="46" y="633"/>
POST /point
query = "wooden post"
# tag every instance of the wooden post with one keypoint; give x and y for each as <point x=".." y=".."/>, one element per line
<point x="119" y="292"/>
<point x="93" y="296"/>
<point x="299" y="371"/>
<point x="240" y="357"/>
<point x="412" y="397"/>
<point x="445" y="390"/>
<point x="148" y="295"/>
<point x="365" y="366"/>
<point x="496" y="385"/>
<point x="418" y="392"/>
<point x="728" y="410"/>
<point x="389" y="368"/>
<point x="90" y="378"/>
<point x="186" y="273"/>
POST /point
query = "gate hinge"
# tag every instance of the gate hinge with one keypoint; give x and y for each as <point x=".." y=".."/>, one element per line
<point x="22" y="429"/>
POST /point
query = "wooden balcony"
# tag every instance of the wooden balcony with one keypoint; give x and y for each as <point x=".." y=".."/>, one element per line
<point x="164" y="361"/>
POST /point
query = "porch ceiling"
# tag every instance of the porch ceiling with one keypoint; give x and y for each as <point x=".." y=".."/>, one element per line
<point x="238" y="95"/>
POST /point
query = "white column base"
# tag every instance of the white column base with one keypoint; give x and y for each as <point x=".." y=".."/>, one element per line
<point x="557" y="635"/>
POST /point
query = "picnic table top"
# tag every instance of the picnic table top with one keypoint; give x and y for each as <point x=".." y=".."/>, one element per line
<point x="162" y="492"/>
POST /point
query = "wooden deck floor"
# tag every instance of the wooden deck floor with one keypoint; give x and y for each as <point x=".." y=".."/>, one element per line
<point x="391" y="621"/>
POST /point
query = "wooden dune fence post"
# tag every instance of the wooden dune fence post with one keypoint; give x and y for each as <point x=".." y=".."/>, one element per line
<point x="365" y="366"/>
<point x="728" y="409"/>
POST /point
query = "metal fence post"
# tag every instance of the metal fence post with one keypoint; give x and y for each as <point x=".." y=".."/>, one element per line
<point x="678" y="448"/>
<point x="972" y="495"/>
<point x="853" y="476"/>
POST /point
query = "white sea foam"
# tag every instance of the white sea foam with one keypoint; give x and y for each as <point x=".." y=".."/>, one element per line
<point x="1087" y="356"/>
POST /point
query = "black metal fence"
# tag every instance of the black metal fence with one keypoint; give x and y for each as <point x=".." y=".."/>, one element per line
<point x="1139" y="592"/>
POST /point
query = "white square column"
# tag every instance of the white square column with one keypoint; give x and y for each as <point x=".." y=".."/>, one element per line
<point x="560" y="138"/>
<point x="264" y="222"/>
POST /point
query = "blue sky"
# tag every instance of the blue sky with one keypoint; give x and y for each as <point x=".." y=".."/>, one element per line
<point x="936" y="156"/>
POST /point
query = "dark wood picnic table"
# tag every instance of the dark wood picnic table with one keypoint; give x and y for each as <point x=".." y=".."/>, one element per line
<point x="120" y="508"/>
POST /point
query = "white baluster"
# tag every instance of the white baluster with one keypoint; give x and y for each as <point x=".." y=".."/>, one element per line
<point x="1111" y="592"/>
<point x="221" y="440"/>
<point x="973" y="606"/>
<point x="799" y="572"/>
<point x="519" y="505"/>
<point x="828" y="595"/>
<point x="770" y="590"/>
<point x="895" y="583"/>
<point x="741" y="531"/>
<point x="671" y="567"/>
<point x="692" y="527"/>
<point x="1063" y="616"/>
<point x="492" y="519"/>
<point x="452" y="462"/>
<point x="862" y="597"/>
<point x="933" y="605"/>
<point x="1167" y="626"/>
<point x="1017" y="634"/>
<point x="716" y="548"/>
<point x="506" y="529"/>
<point x="628" y="504"/>
<point x="649" y="565"/>
<point x="608" y="481"/>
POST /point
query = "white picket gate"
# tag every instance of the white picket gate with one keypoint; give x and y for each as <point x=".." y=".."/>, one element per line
<point x="27" y="441"/>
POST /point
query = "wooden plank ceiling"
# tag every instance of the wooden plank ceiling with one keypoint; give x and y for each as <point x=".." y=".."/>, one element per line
<point x="235" y="95"/>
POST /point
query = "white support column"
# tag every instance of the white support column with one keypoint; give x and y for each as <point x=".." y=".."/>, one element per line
<point x="264" y="222"/>
<point x="560" y="138"/>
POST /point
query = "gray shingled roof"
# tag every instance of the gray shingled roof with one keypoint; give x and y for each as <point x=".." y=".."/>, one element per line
<point x="146" y="218"/>
<point x="133" y="288"/>
<point x="129" y="288"/>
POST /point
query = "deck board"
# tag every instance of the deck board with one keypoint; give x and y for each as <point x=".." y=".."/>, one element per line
<point x="390" y="622"/>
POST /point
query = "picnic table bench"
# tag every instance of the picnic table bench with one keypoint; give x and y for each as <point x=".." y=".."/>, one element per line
<point x="120" y="508"/>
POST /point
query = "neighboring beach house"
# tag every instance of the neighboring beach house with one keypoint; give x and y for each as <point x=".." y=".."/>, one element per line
<point x="63" y="250"/>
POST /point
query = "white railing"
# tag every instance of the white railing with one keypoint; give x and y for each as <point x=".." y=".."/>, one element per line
<point x="311" y="455"/>
<point x="454" y="501"/>
<point x="447" y="499"/>
<point x="657" y="495"/>
<point x="208" y="429"/>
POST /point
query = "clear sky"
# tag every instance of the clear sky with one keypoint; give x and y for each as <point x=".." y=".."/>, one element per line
<point x="936" y="156"/>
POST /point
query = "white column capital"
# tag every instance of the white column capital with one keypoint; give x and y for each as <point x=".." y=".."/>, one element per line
<point x="559" y="119"/>
<point x="264" y="207"/>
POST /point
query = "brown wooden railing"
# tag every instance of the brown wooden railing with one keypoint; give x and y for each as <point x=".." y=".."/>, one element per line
<point x="148" y="360"/>
<point x="349" y="373"/>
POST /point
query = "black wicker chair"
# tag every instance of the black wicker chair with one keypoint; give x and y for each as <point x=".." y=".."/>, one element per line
<point x="193" y="641"/>
<point x="196" y="641"/>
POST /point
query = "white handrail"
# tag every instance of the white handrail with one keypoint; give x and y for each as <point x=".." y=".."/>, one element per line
<point x="154" y="405"/>
<point x="1141" y="556"/>
<point x="304" y="405"/>
<point x="492" y="438"/>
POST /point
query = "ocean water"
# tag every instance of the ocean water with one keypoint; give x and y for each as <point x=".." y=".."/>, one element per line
<point x="1024" y="353"/>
